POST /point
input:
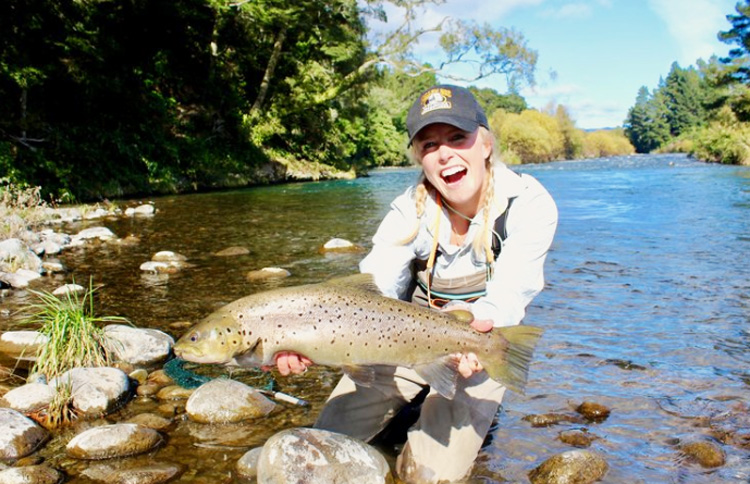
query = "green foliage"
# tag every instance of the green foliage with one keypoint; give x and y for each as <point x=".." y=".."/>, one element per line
<point x="738" y="61"/>
<point x="646" y="125"/>
<point x="74" y="338"/>
<point x="723" y="141"/>
<point x="603" y="143"/>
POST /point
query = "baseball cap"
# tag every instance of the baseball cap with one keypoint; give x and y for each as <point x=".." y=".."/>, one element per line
<point x="447" y="104"/>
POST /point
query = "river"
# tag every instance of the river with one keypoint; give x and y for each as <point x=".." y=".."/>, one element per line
<point x="646" y="308"/>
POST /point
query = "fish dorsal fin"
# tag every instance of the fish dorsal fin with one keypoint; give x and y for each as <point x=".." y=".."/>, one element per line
<point x="361" y="375"/>
<point x="364" y="282"/>
<point x="441" y="375"/>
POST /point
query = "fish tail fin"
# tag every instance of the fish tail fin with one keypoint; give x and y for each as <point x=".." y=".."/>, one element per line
<point x="511" y="367"/>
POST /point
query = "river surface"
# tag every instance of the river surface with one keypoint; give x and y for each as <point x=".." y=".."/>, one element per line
<point x="646" y="308"/>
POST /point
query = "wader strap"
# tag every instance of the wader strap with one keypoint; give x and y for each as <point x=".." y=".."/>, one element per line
<point x="433" y="249"/>
<point x="500" y="232"/>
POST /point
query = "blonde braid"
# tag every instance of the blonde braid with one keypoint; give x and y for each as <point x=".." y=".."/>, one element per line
<point x="482" y="242"/>
<point x="421" y="192"/>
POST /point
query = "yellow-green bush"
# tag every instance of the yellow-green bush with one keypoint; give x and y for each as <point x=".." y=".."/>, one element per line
<point x="601" y="143"/>
<point x="533" y="136"/>
<point x="722" y="143"/>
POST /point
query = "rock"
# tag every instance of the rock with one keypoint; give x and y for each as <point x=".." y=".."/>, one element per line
<point x="95" y="391"/>
<point x="577" y="438"/>
<point x="137" y="346"/>
<point x="317" y="456"/>
<point x="268" y="273"/>
<point x="168" y="256"/>
<point x="96" y="213"/>
<point x="19" y="435"/>
<point x="140" y="375"/>
<point x="174" y="392"/>
<point x="550" y="419"/>
<point x="69" y="289"/>
<point x="143" y="474"/>
<point x="22" y="345"/>
<point x="593" y="412"/>
<point x="223" y="400"/>
<point x="47" y="247"/>
<point x="160" y="377"/>
<point x="159" y="267"/>
<point x="232" y="251"/>
<point x="14" y="255"/>
<point x="92" y="233"/>
<point x="572" y="467"/>
<point x="28" y="398"/>
<point x="53" y="265"/>
<point x="142" y="210"/>
<point x="34" y="474"/>
<point x="247" y="466"/>
<point x="706" y="454"/>
<point x="339" y="245"/>
<point x="116" y="440"/>
<point x="151" y="420"/>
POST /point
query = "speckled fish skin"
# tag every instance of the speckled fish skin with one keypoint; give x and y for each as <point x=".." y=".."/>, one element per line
<point x="347" y="323"/>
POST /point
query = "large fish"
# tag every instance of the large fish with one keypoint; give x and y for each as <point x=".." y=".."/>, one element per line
<point x="347" y="323"/>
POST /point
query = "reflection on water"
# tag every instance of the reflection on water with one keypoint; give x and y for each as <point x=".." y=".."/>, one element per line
<point x="646" y="309"/>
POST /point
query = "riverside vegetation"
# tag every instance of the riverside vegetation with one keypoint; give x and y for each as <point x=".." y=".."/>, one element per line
<point x="113" y="100"/>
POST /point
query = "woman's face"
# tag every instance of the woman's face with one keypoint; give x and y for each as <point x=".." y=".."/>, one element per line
<point x="454" y="163"/>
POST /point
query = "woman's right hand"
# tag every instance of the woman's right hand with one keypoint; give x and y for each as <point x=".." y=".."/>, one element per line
<point x="288" y="362"/>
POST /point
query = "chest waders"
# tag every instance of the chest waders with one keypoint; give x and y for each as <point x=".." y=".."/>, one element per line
<point x="436" y="292"/>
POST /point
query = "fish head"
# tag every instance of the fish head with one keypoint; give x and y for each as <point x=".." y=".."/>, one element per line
<point x="216" y="339"/>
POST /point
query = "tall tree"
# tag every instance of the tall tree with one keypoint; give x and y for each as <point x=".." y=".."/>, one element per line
<point x="683" y="98"/>
<point x="739" y="34"/>
<point x="646" y="124"/>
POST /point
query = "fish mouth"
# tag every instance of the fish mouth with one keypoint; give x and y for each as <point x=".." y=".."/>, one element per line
<point x="453" y="174"/>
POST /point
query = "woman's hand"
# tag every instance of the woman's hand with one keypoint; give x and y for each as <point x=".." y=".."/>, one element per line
<point x="288" y="363"/>
<point x="468" y="363"/>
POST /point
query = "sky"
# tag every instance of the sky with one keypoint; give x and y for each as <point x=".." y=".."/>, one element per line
<point x="594" y="55"/>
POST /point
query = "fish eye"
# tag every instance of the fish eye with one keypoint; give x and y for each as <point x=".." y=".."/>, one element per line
<point x="193" y="337"/>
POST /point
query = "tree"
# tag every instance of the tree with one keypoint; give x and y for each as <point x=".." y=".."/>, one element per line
<point x="739" y="34"/>
<point x="646" y="124"/>
<point x="683" y="99"/>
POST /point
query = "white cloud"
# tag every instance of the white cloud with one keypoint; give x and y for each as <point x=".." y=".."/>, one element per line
<point x="694" y="24"/>
<point x="570" y="10"/>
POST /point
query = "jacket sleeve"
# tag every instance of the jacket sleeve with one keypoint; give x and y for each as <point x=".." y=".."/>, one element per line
<point x="392" y="253"/>
<point x="518" y="274"/>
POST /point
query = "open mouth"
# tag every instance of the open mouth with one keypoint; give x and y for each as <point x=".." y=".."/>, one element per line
<point x="453" y="174"/>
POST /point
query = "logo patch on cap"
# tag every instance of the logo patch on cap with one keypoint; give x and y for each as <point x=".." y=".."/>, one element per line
<point x="434" y="99"/>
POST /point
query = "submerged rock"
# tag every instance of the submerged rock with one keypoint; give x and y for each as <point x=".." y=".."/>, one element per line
<point x="594" y="412"/>
<point x="93" y="233"/>
<point x="223" y="400"/>
<point x="168" y="256"/>
<point x="232" y="251"/>
<point x="317" y="456"/>
<point x="143" y="474"/>
<point x="704" y="453"/>
<point x="572" y="467"/>
<point x="339" y="245"/>
<point x="117" y="440"/>
<point x="268" y="273"/>
<point x="577" y="438"/>
<point x="69" y="289"/>
<point x="550" y="419"/>
<point x="34" y="474"/>
<point x="19" y="435"/>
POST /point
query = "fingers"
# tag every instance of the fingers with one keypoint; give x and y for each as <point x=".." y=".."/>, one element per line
<point x="469" y="364"/>
<point x="289" y="363"/>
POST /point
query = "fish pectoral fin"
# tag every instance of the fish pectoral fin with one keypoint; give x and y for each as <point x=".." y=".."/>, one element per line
<point x="361" y="375"/>
<point x="363" y="282"/>
<point x="251" y="357"/>
<point x="441" y="375"/>
<point x="461" y="315"/>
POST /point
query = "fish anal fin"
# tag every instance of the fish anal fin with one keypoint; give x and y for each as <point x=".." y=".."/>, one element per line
<point x="441" y="375"/>
<point x="361" y="375"/>
<point x="364" y="282"/>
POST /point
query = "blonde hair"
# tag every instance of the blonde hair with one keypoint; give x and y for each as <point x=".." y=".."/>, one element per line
<point x="482" y="243"/>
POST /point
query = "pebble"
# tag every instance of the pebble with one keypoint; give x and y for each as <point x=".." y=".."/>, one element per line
<point x="594" y="412"/>
<point x="706" y="454"/>
<point x="268" y="273"/>
<point x="572" y="467"/>
<point x="116" y="440"/>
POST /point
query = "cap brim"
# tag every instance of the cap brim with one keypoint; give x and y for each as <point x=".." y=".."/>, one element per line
<point x="468" y="125"/>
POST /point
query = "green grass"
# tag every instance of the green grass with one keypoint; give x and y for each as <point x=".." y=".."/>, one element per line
<point x="75" y="338"/>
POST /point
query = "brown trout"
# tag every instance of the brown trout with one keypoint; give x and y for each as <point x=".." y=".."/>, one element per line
<point x="347" y="323"/>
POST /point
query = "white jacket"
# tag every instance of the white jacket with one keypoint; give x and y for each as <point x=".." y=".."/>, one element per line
<point x="518" y="272"/>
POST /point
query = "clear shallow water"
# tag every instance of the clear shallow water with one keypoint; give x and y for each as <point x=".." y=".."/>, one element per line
<point x="646" y="309"/>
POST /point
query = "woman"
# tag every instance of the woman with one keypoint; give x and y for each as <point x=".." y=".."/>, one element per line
<point x="472" y="235"/>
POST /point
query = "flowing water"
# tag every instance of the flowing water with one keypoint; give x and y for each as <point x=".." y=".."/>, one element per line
<point x="646" y="309"/>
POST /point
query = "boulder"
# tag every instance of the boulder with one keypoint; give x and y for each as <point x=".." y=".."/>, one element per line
<point x="14" y="255"/>
<point x="22" y="345"/>
<point x="34" y="474"/>
<point x="28" y="398"/>
<point x="317" y="456"/>
<point x="95" y="391"/>
<point x="339" y="245"/>
<point x="572" y="467"/>
<point x="223" y="400"/>
<point x="137" y="346"/>
<point x="116" y="440"/>
<point x="19" y="435"/>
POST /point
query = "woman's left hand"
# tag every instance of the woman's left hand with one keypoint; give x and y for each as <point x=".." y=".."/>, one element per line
<point x="468" y="363"/>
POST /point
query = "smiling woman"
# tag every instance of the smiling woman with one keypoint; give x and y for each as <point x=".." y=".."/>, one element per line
<point x="451" y="242"/>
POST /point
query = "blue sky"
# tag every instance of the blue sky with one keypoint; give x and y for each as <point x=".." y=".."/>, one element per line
<point x="600" y="51"/>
